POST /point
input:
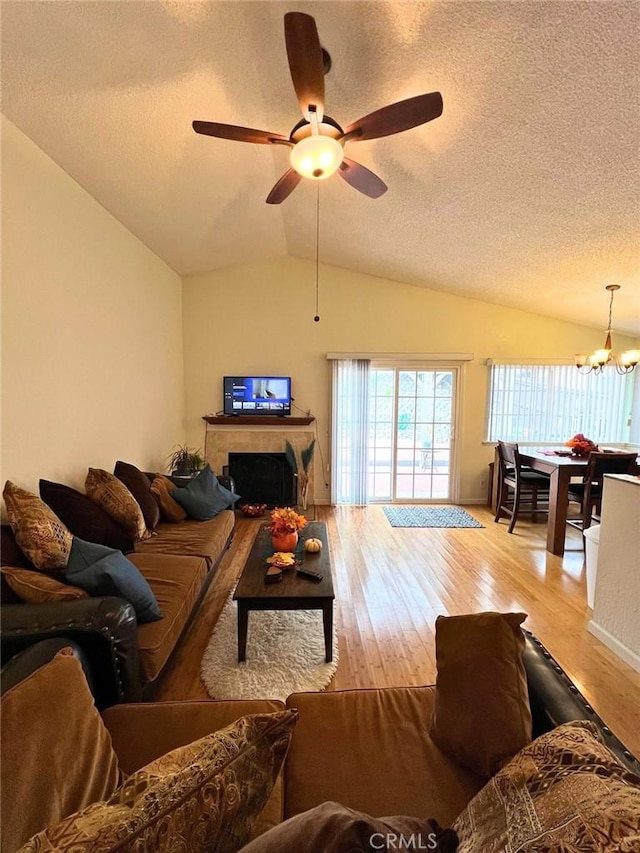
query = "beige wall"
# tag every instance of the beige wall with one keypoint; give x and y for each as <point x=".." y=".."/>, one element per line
<point x="92" y="366"/>
<point x="259" y="318"/>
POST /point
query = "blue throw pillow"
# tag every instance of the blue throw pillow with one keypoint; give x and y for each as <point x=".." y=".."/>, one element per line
<point x="104" y="571"/>
<point x="205" y="496"/>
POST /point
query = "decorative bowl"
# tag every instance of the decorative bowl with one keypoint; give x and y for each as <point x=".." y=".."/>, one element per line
<point x="252" y="510"/>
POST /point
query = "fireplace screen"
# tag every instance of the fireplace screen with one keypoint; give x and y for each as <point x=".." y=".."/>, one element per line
<point x="265" y="478"/>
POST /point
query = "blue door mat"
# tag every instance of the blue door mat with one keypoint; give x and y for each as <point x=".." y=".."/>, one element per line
<point x="429" y="516"/>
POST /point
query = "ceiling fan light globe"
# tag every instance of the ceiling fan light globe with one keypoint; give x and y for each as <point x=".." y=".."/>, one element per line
<point x="316" y="157"/>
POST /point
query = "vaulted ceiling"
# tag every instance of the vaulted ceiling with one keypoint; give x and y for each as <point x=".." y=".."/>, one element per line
<point x="526" y="192"/>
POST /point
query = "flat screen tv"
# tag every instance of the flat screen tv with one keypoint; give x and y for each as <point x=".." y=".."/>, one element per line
<point x="257" y="395"/>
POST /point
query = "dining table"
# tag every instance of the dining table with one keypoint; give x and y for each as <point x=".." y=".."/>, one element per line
<point x="560" y="470"/>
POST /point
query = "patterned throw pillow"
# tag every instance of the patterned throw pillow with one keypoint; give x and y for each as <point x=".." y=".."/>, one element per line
<point x="39" y="533"/>
<point x="161" y="489"/>
<point x="564" y="793"/>
<point x="200" y="797"/>
<point x="116" y="500"/>
<point x="38" y="588"/>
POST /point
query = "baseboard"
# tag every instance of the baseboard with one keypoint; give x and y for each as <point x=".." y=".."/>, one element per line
<point x="472" y="501"/>
<point x="611" y="642"/>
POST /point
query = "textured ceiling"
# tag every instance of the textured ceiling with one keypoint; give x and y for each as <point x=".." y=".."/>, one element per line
<point x="526" y="192"/>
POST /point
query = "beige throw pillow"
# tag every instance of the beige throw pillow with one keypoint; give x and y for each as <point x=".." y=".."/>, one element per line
<point x="161" y="489"/>
<point x="481" y="715"/>
<point x="40" y="534"/>
<point x="564" y="793"/>
<point x="38" y="588"/>
<point x="57" y="756"/>
<point x="201" y="797"/>
<point x="116" y="500"/>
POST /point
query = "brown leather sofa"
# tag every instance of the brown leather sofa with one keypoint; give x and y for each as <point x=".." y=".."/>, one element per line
<point x="368" y="749"/>
<point x="178" y="561"/>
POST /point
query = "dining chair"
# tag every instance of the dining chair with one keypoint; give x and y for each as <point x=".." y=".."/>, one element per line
<point x="518" y="486"/>
<point x="588" y="493"/>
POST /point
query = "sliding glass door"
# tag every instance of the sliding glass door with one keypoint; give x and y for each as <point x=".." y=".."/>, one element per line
<point x="411" y="434"/>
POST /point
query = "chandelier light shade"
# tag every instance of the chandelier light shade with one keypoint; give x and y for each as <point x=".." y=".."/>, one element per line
<point x="316" y="156"/>
<point x="601" y="358"/>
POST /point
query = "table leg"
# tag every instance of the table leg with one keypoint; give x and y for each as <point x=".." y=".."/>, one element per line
<point x="558" y="498"/>
<point x="327" y="620"/>
<point x="243" y="622"/>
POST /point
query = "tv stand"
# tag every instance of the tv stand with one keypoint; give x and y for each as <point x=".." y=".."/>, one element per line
<point x="258" y="420"/>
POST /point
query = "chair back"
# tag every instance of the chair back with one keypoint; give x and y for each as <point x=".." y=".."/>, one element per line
<point x="507" y="454"/>
<point x="600" y="464"/>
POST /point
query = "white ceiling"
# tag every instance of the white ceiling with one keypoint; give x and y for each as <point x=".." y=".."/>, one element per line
<point x="526" y="192"/>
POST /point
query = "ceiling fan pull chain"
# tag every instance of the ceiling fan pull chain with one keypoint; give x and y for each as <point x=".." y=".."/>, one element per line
<point x="317" y="316"/>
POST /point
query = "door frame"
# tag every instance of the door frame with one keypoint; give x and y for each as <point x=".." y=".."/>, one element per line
<point x="457" y="367"/>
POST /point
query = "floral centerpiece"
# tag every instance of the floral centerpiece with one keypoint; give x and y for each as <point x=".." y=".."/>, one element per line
<point x="284" y="525"/>
<point x="581" y="446"/>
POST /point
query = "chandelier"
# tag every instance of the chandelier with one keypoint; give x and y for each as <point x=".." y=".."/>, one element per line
<point x="601" y="358"/>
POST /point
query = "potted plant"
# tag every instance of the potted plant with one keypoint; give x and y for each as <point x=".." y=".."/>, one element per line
<point x="284" y="525"/>
<point x="185" y="461"/>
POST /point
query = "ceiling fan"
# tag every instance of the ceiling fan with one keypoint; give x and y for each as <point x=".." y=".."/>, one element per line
<point x="317" y="141"/>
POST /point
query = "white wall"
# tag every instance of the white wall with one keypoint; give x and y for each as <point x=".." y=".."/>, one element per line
<point x="92" y="367"/>
<point x="259" y="318"/>
<point x="616" y="614"/>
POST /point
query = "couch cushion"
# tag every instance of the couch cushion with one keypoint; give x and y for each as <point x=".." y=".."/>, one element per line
<point x="116" y="499"/>
<point x="56" y="753"/>
<point x="564" y="792"/>
<point x="201" y="797"/>
<point x="40" y="534"/>
<point x="84" y="517"/>
<point x="161" y="489"/>
<point x="482" y="716"/>
<point x="138" y="484"/>
<point x="104" y="571"/>
<point x="39" y="588"/>
<point x="193" y="538"/>
<point x="204" y="497"/>
<point x="370" y="750"/>
<point x="176" y="583"/>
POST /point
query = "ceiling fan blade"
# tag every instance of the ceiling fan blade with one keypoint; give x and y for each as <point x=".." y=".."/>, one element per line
<point x="396" y="117"/>
<point x="305" y="62"/>
<point x="236" y="133"/>
<point x="361" y="178"/>
<point x="285" y="186"/>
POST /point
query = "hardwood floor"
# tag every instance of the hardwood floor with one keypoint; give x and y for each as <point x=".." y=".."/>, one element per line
<point x="392" y="583"/>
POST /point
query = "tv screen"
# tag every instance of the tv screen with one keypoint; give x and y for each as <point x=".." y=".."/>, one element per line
<point x="257" y="395"/>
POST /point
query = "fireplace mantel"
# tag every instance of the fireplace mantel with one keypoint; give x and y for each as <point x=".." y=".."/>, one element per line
<point x="256" y="420"/>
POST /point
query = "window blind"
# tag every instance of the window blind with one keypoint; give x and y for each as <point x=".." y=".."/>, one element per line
<point x="538" y="403"/>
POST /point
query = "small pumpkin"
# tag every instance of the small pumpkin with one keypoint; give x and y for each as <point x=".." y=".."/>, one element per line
<point x="313" y="545"/>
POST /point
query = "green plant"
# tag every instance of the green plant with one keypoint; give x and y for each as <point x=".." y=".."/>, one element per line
<point x="184" y="459"/>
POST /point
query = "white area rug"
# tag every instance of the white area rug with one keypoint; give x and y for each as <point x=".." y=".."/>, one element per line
<point x="285" y="654"/>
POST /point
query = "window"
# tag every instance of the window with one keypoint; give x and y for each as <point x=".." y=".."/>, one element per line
<point x="539" y="403"/>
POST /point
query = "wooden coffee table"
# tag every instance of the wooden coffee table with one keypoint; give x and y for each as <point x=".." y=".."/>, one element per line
<point x="293" y="592"/>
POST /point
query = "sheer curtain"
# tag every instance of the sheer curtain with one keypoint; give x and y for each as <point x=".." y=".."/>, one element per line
<point x="350" y="431"/>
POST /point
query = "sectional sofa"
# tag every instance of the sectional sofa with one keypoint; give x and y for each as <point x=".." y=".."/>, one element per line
<point x="373" y="751"/>
<point x="178" y="561"/>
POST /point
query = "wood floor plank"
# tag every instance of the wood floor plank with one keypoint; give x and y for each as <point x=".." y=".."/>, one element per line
<point x="392" y="583"/>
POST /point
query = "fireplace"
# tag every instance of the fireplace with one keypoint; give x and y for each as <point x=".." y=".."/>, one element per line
<point x="265" y="478"/>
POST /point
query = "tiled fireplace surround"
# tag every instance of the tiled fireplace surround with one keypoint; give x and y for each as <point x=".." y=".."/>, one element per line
<point x="222" y="440"/>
